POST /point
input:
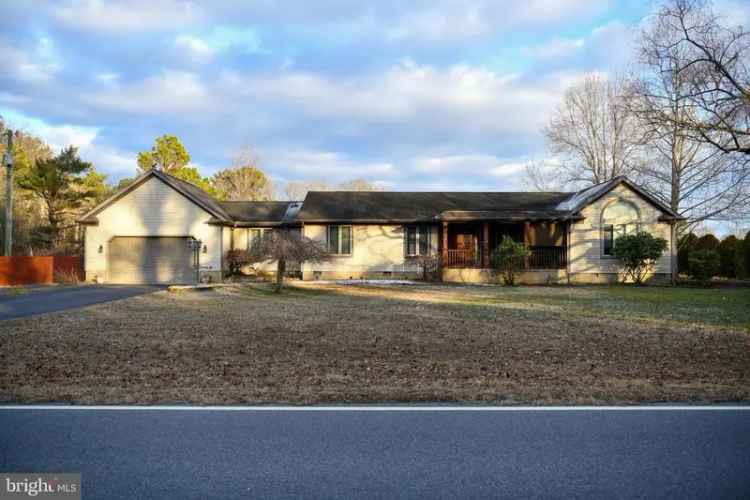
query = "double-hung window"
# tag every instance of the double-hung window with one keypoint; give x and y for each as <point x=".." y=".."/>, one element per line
<point x="419" y="240"/>
<point x="608" y="240"/>
<point x="340" y="240"/>
<point x="610" y="233"/>
<point x="254" y="236"/>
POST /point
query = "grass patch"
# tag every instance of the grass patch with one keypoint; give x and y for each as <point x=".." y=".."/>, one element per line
<point x="333" y="343"/>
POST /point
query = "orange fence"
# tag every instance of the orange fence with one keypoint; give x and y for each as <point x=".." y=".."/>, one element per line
<point x="22" y="270"/>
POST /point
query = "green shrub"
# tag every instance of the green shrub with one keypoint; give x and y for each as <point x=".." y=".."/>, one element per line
<point x="508" y="259"/>
<point x="638" y="254"/>
<point x="704" y="264"/>
<point x="684" y="245"/>
<point x="236" y="259"/>
<point x="727" y="249"/>
<point x="707" y="242"/>
<point x="740" y="266"/>
<point x="746" y="254"/>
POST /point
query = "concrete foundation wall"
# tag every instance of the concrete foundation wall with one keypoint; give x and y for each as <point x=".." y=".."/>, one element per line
<point x="476" y="275"/>
<point x="365" y="275"/>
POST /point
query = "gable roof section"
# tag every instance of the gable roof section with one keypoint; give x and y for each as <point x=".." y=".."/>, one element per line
<point x="405" y="207"/>
<point x="389" y="206"/>
<point x="188" y="190"/>
<point x="585" y="197"/>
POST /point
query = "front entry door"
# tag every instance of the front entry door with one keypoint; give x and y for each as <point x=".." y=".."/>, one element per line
<point x="467" y="244"/>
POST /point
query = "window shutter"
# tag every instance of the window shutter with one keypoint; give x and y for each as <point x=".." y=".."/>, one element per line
<point x="333" y="239"/>
<point x="345" y="234"/>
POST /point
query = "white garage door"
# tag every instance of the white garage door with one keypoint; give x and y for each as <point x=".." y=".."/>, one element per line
<point x="164" y="260"/>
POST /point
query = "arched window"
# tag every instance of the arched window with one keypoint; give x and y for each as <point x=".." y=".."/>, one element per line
<point x="618" y="218"/>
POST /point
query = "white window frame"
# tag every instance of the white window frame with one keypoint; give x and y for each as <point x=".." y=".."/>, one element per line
<point x="417" y="233"/>
<point x="338" y="252"/>
<point x="262" y="231"/>
<point x="617" y="231"/>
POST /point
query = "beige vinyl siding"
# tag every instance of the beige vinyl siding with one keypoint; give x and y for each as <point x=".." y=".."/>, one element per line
<point x="152" y="209"/>
<point x="375" y="249"/>
<point x="241" y="239"/>
<point x="226" y="244"/>
<point x="619" y="206"/>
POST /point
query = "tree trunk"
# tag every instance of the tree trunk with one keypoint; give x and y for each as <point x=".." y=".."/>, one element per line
<point x="280" y="269"/>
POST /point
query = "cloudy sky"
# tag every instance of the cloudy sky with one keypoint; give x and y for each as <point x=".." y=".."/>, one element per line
<point x="439" y="94"/>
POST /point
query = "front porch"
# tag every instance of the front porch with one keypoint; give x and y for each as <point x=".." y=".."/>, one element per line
<point x="468" y="245"/>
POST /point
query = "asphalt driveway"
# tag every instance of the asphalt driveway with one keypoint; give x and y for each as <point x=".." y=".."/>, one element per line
<point x="58" y="298"/>
<point x="202" y="453"/>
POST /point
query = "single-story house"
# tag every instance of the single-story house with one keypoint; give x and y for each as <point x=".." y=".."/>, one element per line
<point x="161" y="229"/>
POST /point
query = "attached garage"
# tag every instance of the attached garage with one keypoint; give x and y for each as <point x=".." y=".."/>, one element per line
<point x="154" y="260"/>
<point x="158" y="229"/>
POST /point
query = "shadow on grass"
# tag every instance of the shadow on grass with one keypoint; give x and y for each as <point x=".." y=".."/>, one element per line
<point x="268" y="290"/>
<point x="658" y="305"/>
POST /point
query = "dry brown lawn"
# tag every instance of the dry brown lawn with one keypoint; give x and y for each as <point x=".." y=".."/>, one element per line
<point x="331" y="343"/>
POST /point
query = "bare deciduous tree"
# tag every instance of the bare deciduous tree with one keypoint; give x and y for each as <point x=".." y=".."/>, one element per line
<point x="285" y="246"/>
<point x="593" y="133"/>
<point x="696" y="179"/>
<point x="244" y="180"/>
<point x="296" y="190"/>
<point x="713" y="62"/>
<point x="542" y="176"/>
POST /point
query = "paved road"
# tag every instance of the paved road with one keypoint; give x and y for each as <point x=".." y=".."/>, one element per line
<point x="352" y="454"/>
<point x="58" y="298"/>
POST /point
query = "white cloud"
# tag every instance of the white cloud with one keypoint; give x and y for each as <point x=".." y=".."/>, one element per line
<point x="107" y="77"/>
<point x="459" y="101"/>
<point x="734" y="12"/>
<point x="112" y="161"/>
<point x="196" y="46"/>
<point x="219" y="39"/>
<point x="557" y="47"/>
<point x="118" y="16"/>
<point x="453" y="164"/>
<point x="29" y="66"/>
<point x="446" y="21"/>
<point x="169" y="92"/>
<point x="106" y="159"/>
<point x="306" y="164"/>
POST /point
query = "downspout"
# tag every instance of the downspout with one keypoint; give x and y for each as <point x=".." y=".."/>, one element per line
<point x="673" y="253"/>
<point x="567" y="251"/>
<point x="197" y="244"/>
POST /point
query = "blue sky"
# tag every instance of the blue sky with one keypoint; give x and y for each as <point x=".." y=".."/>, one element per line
<point x="421" y="95"/>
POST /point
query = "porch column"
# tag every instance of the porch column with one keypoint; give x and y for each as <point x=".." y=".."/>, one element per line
<point x="526" y="238"/>
<point x="486" y="245"/>
<point x="444" y="251"/>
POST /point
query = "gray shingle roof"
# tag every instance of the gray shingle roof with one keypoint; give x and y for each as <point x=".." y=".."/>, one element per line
<point x="259" y="212"/>
<point x="389" y="206"/>
<point x="384" y="206"/>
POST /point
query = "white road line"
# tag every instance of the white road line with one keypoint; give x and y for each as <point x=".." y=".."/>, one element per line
<point x="376" y="408"/>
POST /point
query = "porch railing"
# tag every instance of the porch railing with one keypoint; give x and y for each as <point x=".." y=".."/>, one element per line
<point x="541" y="257"/>
<point x="464" y="258"/>
<point x="546" y="257"/>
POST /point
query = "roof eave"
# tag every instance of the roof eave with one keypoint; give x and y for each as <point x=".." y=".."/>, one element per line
<point x="639" y="191"/>
<point x="140" y="180"/>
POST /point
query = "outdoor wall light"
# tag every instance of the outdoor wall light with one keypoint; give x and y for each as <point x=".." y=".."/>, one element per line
<point x="101" y="248"/>
<point x="205" y="249"/>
